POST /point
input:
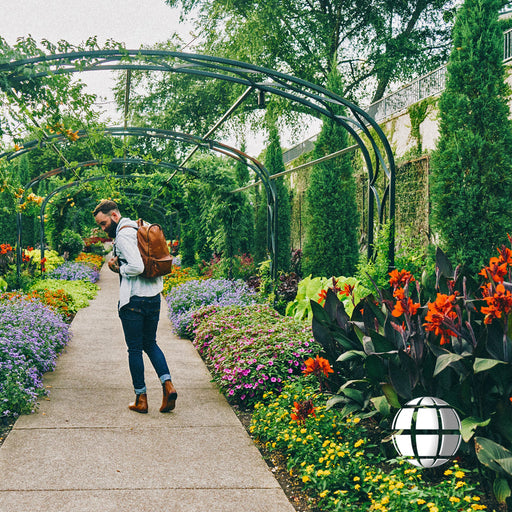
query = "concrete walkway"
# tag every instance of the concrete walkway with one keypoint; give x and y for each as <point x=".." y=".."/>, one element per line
<point x="85" y="451"/>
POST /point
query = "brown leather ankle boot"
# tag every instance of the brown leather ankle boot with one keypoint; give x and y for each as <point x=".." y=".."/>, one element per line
<point x="140" y="404"/>
<point x="170" y="395"/>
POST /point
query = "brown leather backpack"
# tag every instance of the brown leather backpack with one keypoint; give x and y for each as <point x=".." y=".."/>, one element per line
<point x="153" y="249"/>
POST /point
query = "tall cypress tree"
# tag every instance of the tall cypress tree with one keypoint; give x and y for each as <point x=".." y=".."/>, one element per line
<point x="274" y="164"/>
<point x="331" y="247"/>
<point x="471" y="180"/>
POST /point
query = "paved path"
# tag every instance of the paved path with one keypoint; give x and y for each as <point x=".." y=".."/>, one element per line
<point x="85" y="451"/>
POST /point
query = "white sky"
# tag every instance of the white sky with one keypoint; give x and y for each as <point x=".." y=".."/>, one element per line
<point x="134" y="22"/>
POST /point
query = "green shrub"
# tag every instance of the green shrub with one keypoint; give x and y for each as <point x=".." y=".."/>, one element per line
<point x="80" y="292"/>
<point x="70" y="243"/>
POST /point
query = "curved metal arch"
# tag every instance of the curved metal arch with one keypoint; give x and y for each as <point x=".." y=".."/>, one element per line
<point x="252" y="163"/>
<point x="60" y="170"/>
<point x="70" y="185"/>
<point x="263" y="79"/>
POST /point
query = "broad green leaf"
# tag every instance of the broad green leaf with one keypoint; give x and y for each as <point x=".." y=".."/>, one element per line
<point x="354" y="394"/>
<point x="351" y="354"/>
<point x="446" y="360"/>
<point x="482" y="365"/>
<point x="488" y="452"/>
<point x="506" y="464"/>
<point x="469" y="425"/>
<point x="391" y="395"/>
<point x="382" y="405"/>
<point x="501" y="489"/>
<point x="349" y="409"/>
<point x="337" y="399"/>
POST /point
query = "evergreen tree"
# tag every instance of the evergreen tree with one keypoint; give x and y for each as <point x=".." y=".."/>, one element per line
<point x="247" y="226"/>
<point x="274" y="164"/>
<point x="260" y="251"/>
<point x="331" y="247"/>
<point x="471" y="180"/>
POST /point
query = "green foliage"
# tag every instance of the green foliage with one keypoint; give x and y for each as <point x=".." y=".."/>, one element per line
<point x="376" y="270"/>
<point x="306" y="37"/>
<point x="331" y="246"/>
<point x="79" y="292"/>
<point x="260" y="250"/>
<point x="70" y="243"/>
<point x="309" y="289"/>
<point x="274" y="165"/>
<point x="471" y="181"/>
<point x="456" y="347"/>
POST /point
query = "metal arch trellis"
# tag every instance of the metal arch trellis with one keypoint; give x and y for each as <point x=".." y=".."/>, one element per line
<point x="70" y="185"/>
<point x="263" y="80"/>
<point x="78" y="183"/>
<point x="60" y="170"/>
<point x="251" y="162"/>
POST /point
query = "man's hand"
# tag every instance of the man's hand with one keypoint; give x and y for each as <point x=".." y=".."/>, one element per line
<point x="113" y="265"/>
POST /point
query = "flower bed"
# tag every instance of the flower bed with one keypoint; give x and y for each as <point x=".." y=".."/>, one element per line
<point x="74" y="271"/>
<point x="177" y="276"/>
<point x="341" y="468"/>
<point x="31" y="337"/>
<point x="186" y="298"/>
<point x="78" y="294"/>
<point x="251" y="349"/>
<point x="95" y="260"/>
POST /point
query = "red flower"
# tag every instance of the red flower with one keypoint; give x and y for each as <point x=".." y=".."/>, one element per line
<point x="498" y="303"/>
<point x="496" y="270"/>
<point x="441" y="312"/>
<point x="348" y="290"/>
<point x="317" y="366"/>
<point x="400" y="278"/>
<point x="322" y="295"/>
<point x="301" y="410"/>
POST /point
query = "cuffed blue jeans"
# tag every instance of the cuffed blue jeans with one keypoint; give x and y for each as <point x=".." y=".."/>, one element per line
<point x="140" y="321"/>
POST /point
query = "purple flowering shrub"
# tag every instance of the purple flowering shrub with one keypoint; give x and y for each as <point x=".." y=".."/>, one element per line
<point x="190" y="296"/>
<point x="31" y="337"/>
<point x="251" y="350"/>
<point x="73" y="271"/>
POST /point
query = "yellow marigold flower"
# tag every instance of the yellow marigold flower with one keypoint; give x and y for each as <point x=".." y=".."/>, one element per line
<point x="448" y="472"/>
<point x="356" y="420"/>
<point x="356" y="479"/>
<point x="357" y="444"/>
<point x="459" y="474"/>
<point x="454" y="499"/>
<point x="459" y="484"/>
<point x="357" y="487"/>
<point x="467" y="498"/>
<point x="303" y="430"/>
<point x="323" y="494"/>
<point x="420" y="502"/>
<point x="325" y="443"/>
<point x="305" y="478"/>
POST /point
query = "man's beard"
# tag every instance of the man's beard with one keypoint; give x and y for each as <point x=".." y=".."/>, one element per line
<point x="111" y="231"/>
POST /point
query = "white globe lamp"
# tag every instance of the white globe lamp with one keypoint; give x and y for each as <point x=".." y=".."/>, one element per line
<point x="427" y="432"/>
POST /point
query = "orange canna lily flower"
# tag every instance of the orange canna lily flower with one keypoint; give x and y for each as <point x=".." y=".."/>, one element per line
<point x="498" y="303"/>
<point x="322" y="295"/>
<point x="317" y="366"/>
<point x="301" y="411"/>
<point x="439" y="312"/>
<point x="399" y="278"/>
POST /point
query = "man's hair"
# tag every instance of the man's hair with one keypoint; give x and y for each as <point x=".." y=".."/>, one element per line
<point x="105" y="206"/>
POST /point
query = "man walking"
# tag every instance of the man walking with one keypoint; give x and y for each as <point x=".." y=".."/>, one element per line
<point x="139" y="306"/>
